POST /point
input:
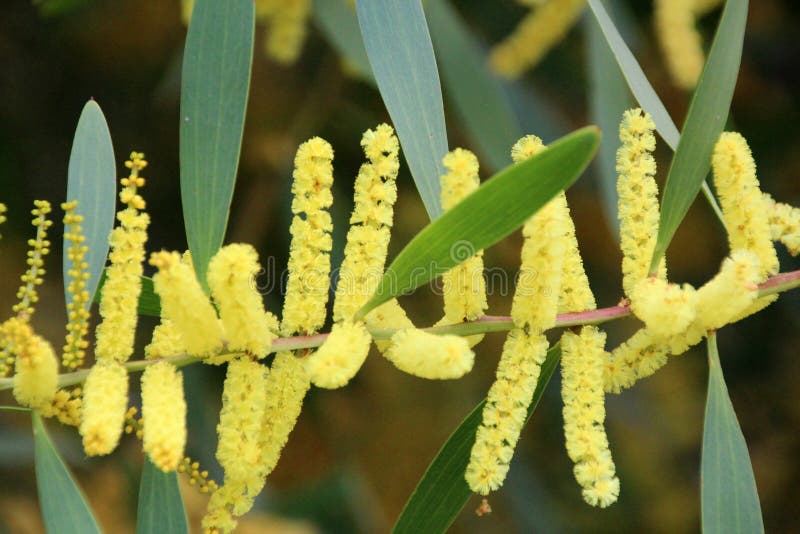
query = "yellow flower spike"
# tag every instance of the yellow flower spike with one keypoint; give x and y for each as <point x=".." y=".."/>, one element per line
<point x="582" y="360"/>
<point x="105" y="401"/>
<point x="164" y="415"/>
<point x="505" y="410"/>
<point x="638" y="203"/>
<point x="304" y="307"/>
<point x="430" y="356"/>
<point x="534" y="36"/>
<point x="231" y="277"/>
<point x="287" y="23"/>
<point x="639" y="356"/>
<point x="368" y="237"/>
<point x="185" y="305"/>
<point x="14" y="334"/>
<point x="667" y="309"/>
<point x="340" y="356"/>
<point x="680" y="41"/>
<point x="39" y="248"/>
<point x="784" y="224"/>
<point x="166" y="341"/>
<point x="388" y="315"/>
<point x="36" y="376"/>
<point x="219" y="515"/>
<point x="726" y="297"/>
<point x="743" y="205"/>
<point x="75" y="342"/>
<point x="66" y="406"/>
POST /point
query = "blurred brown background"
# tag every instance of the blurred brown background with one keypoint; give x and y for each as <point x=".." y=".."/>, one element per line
<point x="357" y="453"/>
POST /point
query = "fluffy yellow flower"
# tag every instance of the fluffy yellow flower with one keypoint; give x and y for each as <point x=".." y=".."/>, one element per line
<point x="743" y="205"/>
<point x="79" y="300"/>
<point x="724" y="298"/>
<point x="639" y="356"/>
<point x="185" y="305"/>
<point x="680" y="41"/>
<point x="784" y="224"/>
<point x="66" y="406"/>
<point x="667" y="309"/>
<point x="506" y="410"/>
<point x="582" y="357"/>
<point x="368" y="237"/>
<point x="388" y="315"/>
<point x="163" y="415"/>
<point x="535" y="35"/>
<point x="166" y="341"/>
<point x="219" y="517"/>
<point x="287" y="22"/>
<point x="638" y="202"/>
<point x="36" y="374"/>
<point x="27" y="293"/>
<point x="430" y="356"/>
<point x="309" y="254"/>
<point x="231" y="278"/>
<point x="340" y="356"/>
<point x="105" y="401"/>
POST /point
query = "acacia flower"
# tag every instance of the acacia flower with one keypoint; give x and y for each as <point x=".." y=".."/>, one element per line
<point x="340" y="356"/>
<point x="36" y="375"/>
<point x="166" y="341"/>
<point x="66" y="406"/>
<point x="105" y="401"/>
<point x="680" y="41"/>
<point x="388" y="315"/>
<point x="163" y="415"/>
<point x="185" y="305"/>
<point x="534" y="36"/>
<point x="430" y="356"/>
<point x="287" y="26"/>
<point x="584" y="412"/>
<point x="39" y="248"/>
<point x="784" y="224"/>
<point x="118" y="302"/>
<point x="75" y="342"/>
<point x="231" y="278"/>
<point x="667" y="309"/>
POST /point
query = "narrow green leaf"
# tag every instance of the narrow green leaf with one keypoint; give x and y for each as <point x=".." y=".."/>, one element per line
<point x="92" y="181"/>
<point x="499" y="206"/>
<point x="477" y="94"/>
<point x="149" y="303"/>
<point x="64" y="507"/>
<point x="160" y="503"/>
<point x="442" y="492"/>
<point x="704" y="122"/>
<point x="728" y="491"/>
<point x="214" y="89"/>
<point x="401" y="55"/>
<point x="339" y="24"/>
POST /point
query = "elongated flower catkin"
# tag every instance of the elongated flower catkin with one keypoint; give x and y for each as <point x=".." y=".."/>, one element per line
<point x="638" y="357"/>
<point x="743" y="205"/>
<point x="185" y="305"/>
<point x="784" y="224"/>
<point x="575" y="294"/>
<point x="373" y="212"/>
<point x="27" y="294"/>
<point x="231" y="278"/>
<point x="340" y="356"/>
<point x="166" y="341"/>
<point x="388" y="315"/>
<point x="287" y="22"/>
<point x="75" y="342"/>
<point x="680" y="41"/>
<point x="535" y="35"/>
<point x="584" y="412"/>
<point x="105" y="401"/>
<point x="163" y="415"/>
<point x="36" y="375"/>
<point x="120" y="296"/>
<point x="430" y="356"/>
<point x="309" y="254"/>
<point x="667" y="309"/>
<point x="638" y="203"/>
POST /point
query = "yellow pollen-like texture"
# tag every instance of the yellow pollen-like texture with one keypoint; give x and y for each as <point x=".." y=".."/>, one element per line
<point x="506" y="410"/>
<point x="185" y="305"/>
<point x="430" y="356"/>
<point x="309" y="254"/>
<point x="743" y="205"/>
<point x="638" y="203"/>
<point x="166" y="341"/>
<point x="639" y="356"/>
<point x="680" y="41"/>
<point x="75" y="342"/>
<point x="105" y="401"/>
<point x="340" y="356"/>
<point x="36" y="374"/>
<point x="164" y="415"/>
<point x="231" y="278"/>
<point x="534" y="36"/>
<point x="784" y="224"/>
<point x="388" y="315"/>
<point x="667" y="309"/>
<point x="576" y="294"/>
<point x="725" y="298"/>
<point x="464" y="286"/>
<point x="582" y="357"/>
<point x="287" y="22"/>
<point x="370" y="222"/>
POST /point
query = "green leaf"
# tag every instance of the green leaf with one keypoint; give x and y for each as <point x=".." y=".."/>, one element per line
<point x="92" y="181"/>
<point x="149" y="303"/>
<point x="160" y="503"/>
<point x="214" y="89"/>
<point x="499" y="206"/>
<point x="401" y="55"/>
<point x="728" y="488"/>
<point x="477" y="94"/>
<point x="704" y="123"/>
<point x="339" y="24"/>
<point x="442" y="492"/>
<point x="64" y="507"/>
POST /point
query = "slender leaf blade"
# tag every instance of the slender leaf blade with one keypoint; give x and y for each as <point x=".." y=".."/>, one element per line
<point x="728" y="493"/>
<point x="149" y="303"/>
<point x="499" y="206"/>
<point x="704" y="123"/>
<point x="91" y="180"/>
<point x="339" y="24"/>
<point x="401" y="56"/>
<point x="214" y="90"/>
<point x="160" y="503"/>
<point x="64" y="507"/>
<point x="442" y="492"/>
